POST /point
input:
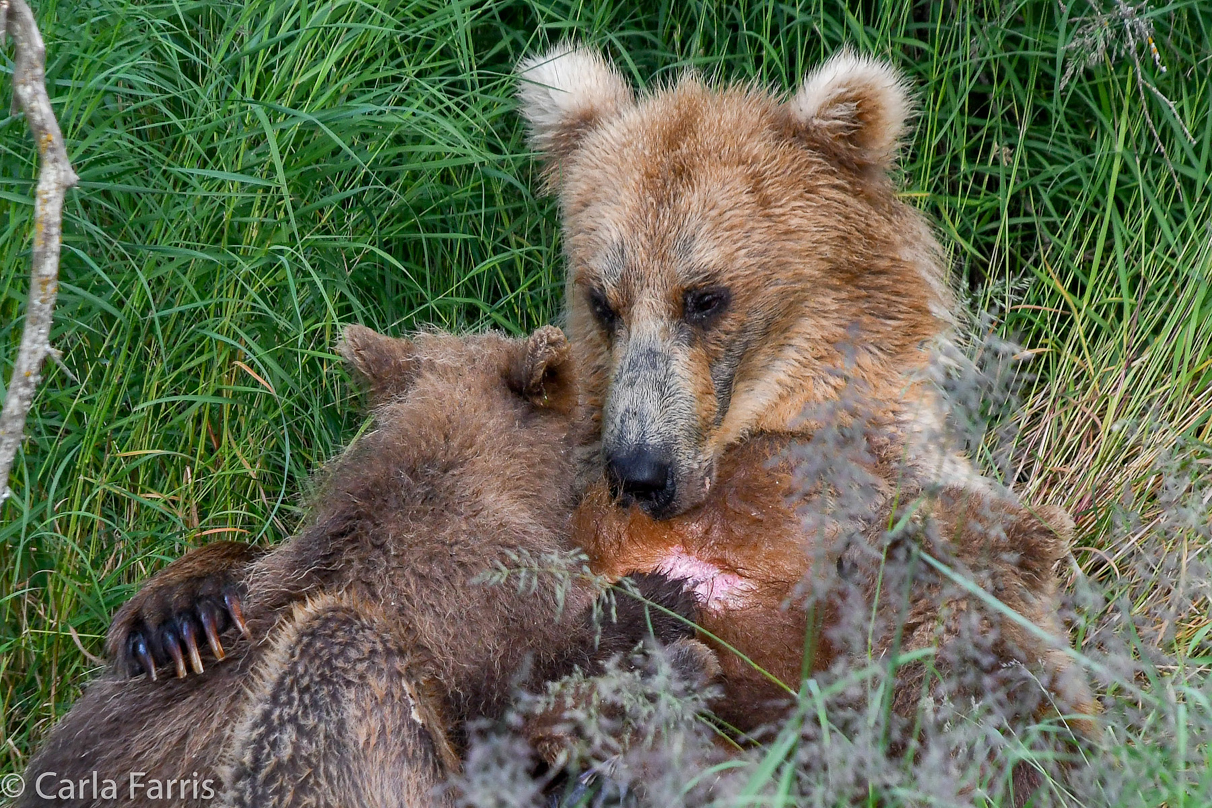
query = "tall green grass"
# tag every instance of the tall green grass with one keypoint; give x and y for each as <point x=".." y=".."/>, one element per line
<point x="253" y="175"/>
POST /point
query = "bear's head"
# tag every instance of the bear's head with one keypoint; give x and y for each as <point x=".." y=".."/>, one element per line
<point x="733" y="258"/>
<point x="484" y="412"/>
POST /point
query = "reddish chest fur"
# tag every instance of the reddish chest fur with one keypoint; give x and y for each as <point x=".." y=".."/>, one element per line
<point x="745" y="553"/>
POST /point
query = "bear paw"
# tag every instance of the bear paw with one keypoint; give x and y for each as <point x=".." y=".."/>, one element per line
<point x="183" y="609"/>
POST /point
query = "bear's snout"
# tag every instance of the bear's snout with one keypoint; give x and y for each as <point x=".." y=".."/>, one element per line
<point x="643" y="475"/>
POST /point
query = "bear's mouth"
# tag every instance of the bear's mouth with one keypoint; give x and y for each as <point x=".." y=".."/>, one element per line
<point x="714" y="588"/>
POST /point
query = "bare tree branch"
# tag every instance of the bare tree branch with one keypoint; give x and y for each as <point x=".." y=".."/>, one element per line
<point x="54" y="178"/>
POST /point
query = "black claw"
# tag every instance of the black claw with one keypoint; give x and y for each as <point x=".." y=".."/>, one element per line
<point x="138" y="647"/>
<point x="237" y="614"/>
<point x="189" y="636"/>
<point x="171" y="644"/>
<point x="208" y="615"/>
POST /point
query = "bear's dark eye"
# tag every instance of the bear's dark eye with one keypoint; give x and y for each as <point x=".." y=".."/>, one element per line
<point x="601" y="309"/>
<point x="701" y="306"/>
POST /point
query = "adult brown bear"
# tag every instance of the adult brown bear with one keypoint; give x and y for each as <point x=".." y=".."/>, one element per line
<point x="736" y="262"/>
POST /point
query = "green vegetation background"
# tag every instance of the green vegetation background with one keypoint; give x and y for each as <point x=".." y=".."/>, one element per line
<point x="254" y="175"/>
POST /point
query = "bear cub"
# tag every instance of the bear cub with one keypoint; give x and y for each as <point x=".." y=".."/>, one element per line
<point x="373" y="638"/>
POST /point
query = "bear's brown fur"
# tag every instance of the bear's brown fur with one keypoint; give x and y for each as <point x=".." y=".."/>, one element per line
<point x="375" y="642"/>
<point x="736" y="261"/>
<point x="750" y="559"/>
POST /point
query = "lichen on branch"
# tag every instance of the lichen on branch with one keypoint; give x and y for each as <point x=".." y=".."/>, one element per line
<point x="55" y="176"/>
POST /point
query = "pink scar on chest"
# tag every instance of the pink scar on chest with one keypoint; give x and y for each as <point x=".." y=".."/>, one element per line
<point x="715" y="589"/>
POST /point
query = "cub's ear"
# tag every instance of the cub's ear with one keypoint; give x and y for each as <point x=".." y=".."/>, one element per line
<point x="542" y="373"/>
<point x="386" y="366"/>
<point x="855" y="108"/>
<point x="565" y="93"/>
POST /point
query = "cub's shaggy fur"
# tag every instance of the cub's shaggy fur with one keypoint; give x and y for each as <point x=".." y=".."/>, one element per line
<point x="374" y="640"/>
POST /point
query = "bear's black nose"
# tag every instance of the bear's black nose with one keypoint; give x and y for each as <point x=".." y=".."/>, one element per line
<point x="643" y="475"/>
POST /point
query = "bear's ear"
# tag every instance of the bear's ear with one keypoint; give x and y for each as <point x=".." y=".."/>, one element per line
<point x="542" y="372"/>
<point x="386" y="366"/>
<point x="565" y="93"/>
<point x="854" y="108"/>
